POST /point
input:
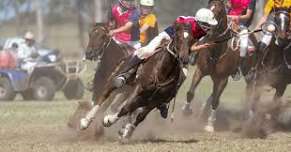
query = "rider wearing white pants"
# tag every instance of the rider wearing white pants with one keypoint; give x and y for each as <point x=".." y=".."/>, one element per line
<point x="150" y="49"/>
<point x="200" y="24"/>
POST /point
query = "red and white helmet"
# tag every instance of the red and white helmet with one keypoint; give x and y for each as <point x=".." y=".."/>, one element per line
<point x="129" y="4"/>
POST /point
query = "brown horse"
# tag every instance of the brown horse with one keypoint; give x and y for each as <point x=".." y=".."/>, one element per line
<point x="157" y="81"/>
<point x="218" y="61"/>
<point x="102" y="46"/>
<point x="273" y="69"/>
<point x="112" y="55"/>
<point x="274" y="66"/>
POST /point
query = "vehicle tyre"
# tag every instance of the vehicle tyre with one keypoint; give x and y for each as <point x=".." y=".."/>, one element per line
<point x="6" y="90"/>
<point x="27" y="95"/>
<point x="43" y="89"/>
<point x="74" y="89"/>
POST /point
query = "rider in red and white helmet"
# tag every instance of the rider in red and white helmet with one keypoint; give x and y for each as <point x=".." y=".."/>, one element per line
<point x="203" y="22"/>
<point x="200" y="24"/>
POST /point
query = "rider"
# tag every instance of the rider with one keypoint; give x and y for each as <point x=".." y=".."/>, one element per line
<point x="200" y="24"/>
<point x="269" y="9"/>
<point x="125" y="16"/>
<point x="241" y="13"/>
<point x="147" y="22"/>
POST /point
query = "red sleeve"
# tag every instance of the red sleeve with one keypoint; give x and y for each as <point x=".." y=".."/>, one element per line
<point x="180" y="20"/>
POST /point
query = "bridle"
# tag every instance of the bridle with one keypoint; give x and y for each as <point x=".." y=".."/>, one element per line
<point x="172" y="48"/>
<point x="105" y="44"/>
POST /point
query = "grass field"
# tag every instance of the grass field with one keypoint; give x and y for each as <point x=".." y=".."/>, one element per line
<point x="42" y="126"/>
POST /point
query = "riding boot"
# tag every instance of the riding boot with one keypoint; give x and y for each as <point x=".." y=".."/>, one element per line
<point x="127" y="71"/>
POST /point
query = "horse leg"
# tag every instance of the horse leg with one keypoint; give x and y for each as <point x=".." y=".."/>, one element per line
<point x="247" y="101"/>
<point x="187" y="110"/>
<point x="133" y="103"/>
<point x="86" y="121"/>
<point x="280" y="89"/>
<point x="118" y="100"/>
<point x="205" y="108"/>
<point x="218" y="88"/>
<point x="130" y="127"/>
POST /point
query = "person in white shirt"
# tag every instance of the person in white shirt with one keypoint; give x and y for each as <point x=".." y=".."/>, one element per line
<point x="27" y="53"/>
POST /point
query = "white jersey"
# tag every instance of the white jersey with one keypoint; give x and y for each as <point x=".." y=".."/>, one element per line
<point x="25" y="52"/>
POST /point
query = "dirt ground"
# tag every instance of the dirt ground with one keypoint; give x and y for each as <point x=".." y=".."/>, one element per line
<point x="42" y="127"/>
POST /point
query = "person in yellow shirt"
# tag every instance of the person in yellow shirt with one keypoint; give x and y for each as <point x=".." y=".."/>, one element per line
<point x="272" y="5"/>
<point x="147" y="22"/>
<point x="269" y="10"/>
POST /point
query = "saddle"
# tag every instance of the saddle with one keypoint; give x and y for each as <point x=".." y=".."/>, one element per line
<point x="130" y="50"/>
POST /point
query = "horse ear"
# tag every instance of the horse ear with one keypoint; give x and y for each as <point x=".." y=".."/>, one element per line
<point x="99" y="24"/>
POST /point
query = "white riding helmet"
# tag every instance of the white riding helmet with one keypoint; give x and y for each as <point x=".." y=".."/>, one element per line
<point x="29" y="35"/>
<point x="147" y="2"/>
<point x="206" y="16"/>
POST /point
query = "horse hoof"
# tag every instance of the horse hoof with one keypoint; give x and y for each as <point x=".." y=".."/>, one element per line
<point x="109" y="120"/>
<point x="209" y="129"/>
<point x="123" y="140"/>
<point x="187" y="110"/>
<point x="126" y="132"/>
<point x="84" y="123"/>
<point x="121" y="132"/>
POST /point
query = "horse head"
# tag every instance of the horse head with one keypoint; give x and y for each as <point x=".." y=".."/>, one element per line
<point x="98" y="41"/>
<point x="282" y="21"/>
<point x="218" y="8"/>
<point x="182" y="40"/>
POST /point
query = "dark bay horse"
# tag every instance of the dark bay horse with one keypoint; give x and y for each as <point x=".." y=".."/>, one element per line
<point x="157" y="80"/>
<point x="112" y="55"/>
<point x="274" y="69"/>
<point x="218" y="61"/>
<point x="274" y="66"/>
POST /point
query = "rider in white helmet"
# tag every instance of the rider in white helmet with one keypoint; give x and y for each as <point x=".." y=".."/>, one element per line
<point x="200" y="24"/>
<point x="203" y="22"/>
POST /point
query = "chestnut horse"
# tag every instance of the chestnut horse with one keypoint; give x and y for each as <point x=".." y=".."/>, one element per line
<point x="218" y="61"/>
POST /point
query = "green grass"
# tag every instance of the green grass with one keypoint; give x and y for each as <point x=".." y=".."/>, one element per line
<point x="41" y="126"/>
